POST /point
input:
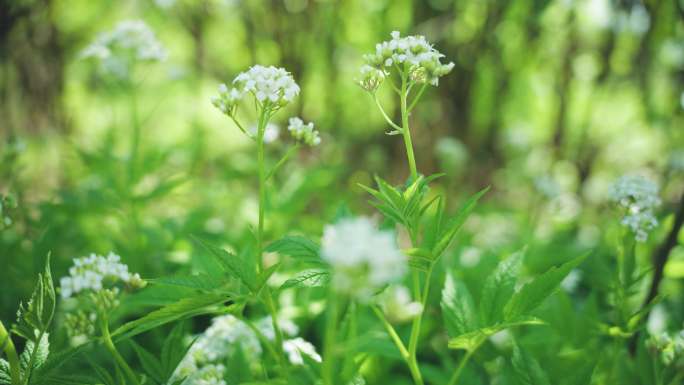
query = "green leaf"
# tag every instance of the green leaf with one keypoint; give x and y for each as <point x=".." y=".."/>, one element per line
<point x="173" y="351"/>
<point x="457" y="222"/>
<point x="297" y="247"/>
<point x="34" y="317"/>
<point x="149" y="363"/>
<point x="234" y="265"/>
<point x="472" y="340"/>
<point x="185" y="308"/>
<point x="499" y="288"/>
<point x="527" y="369"/>
<point x="313" y="278"/>
<point x="198" y="281"/>
<point x="534" y="293"/>
<point x="458" y="310"/>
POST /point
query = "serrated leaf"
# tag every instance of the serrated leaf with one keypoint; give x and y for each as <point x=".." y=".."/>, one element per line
<point x="34" y="317"/>
<point x="472" y="339"/>
<point x="198" y="281"/>
<point x="34" y="355"/>
<point x="234" y="265"/>
<point x="458" y="309"/>
<point x="185" y="308"/>
<point x="149" y="363"/>
<point x="452" y="228"/>
<point x="314" y="278"/>
<point x="498" y="289"/>
<point x="534" y="293"/>
<point x="265" y="275"/>
<point x="527" y="369"/>
<point x="173" y="351"/>
<point x="300" y="248"/>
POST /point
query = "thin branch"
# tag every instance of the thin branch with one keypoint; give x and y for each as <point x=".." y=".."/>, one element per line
<point x="417" y="97"/>
<point x="392" y="333"/>
<point x="384" y="115"/>
<point x="282" y="161"/>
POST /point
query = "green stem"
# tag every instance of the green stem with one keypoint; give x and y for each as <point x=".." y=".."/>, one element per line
<point x="327" y="371"/>
<point x="274" y="318"/>
<point x="384" y="114"/>
<point x="109" y="344"/>
<point x="461" y="366"/>
<point x="282" y="161"/>
<point x="262" y="187"/>
<point x="406" y="130"/>
<point x="135" y="134"/>
<point x="411" y="363"/>
<point x="417" y="97"/>
<point x="270" y="305"/>
<point x="12" y="357"/>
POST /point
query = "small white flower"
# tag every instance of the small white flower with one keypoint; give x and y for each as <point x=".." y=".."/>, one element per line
<point x="271" y="132"/>
<point x="268" y="84"/>
<point x="371" y="78"/>
<point x="304" y="132"/>
<point x="638" y="197"/>
<point x="297" y="347"/>
<point x="363" y="258"/>
<point x="265" y="326"/>
<point x="129" y="42"/>
<point x="220" y="342"/>
<point x="397" y="304"/>
<point x="423" y="60"/>
<point x="93" y="272"/>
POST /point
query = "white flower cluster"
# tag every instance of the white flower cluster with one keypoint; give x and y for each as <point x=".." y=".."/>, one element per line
<point x="638" y="197"/>
<point x="297" y="347"/>
<point x="219" y="342"/>
<point x="95" y="272"/>
<point x="363" y="258"/>
<point x="304" y="132"/>
<point x="371" y="78"/>
<point x="413" y="52"/>
<point x="212" y="374"/>
<point x="397" y="304"/>
<point x="128" y="42"/>
<point x="265" y="327"/>
<point x="269" y="85"/>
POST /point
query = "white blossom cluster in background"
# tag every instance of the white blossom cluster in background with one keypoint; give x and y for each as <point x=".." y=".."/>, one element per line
<point x="129" y="42"/>
<point x="95" y="273"/>
<point x="638" y="197"/>
<point x="416" y="52"/>
<point x="294" y="347"/>
<point x="303" y="132"/>
<point x="397" y="304"/>
<point x="268" y="84"/>
<point x="363" y="258"/>
<point x="297" y="348"/>
<point x="265" y="327"/>
<point x="219" y="342"/>
<point x="202" y="365"/>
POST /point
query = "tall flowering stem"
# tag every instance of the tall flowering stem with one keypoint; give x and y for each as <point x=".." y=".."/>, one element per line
<point x="272" y="88"/>
<point x="7" y="346"/>
<point x="416" y="63"/>
<point x="405" y="125"/>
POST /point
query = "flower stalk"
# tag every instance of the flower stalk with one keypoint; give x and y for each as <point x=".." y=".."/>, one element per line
<point x="7" y="346"/>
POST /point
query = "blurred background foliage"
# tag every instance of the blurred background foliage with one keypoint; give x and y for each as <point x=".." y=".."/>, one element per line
<point x="549" y="102"/>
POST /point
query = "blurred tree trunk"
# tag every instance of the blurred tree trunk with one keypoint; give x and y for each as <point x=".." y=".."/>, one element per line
<point x="32" y="63"/>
